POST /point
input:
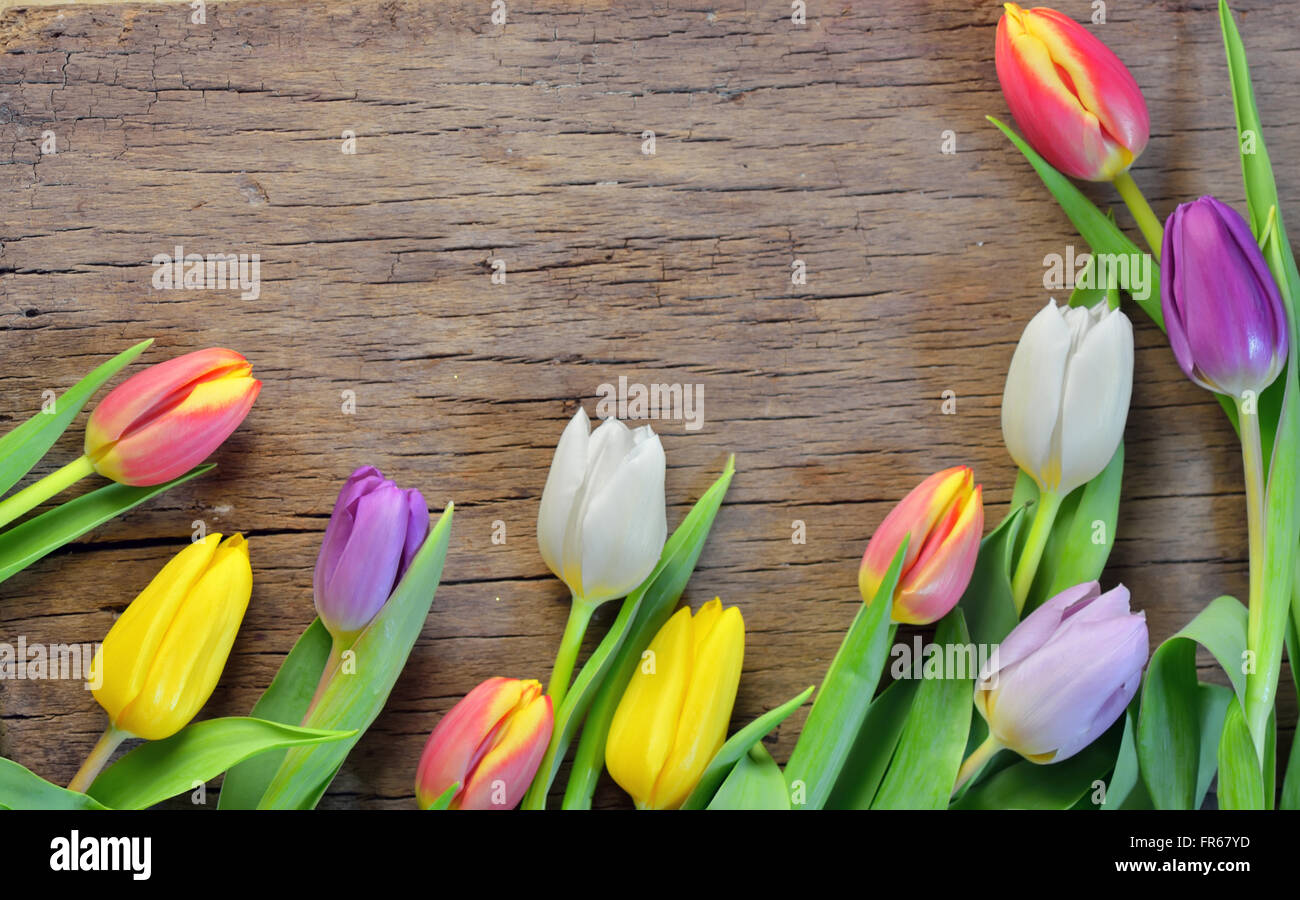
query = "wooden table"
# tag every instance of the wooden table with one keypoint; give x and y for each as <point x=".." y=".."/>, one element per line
<point x="477" y="142"/>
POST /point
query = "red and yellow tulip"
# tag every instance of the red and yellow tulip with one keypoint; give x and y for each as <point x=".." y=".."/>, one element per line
<point x="945" y="517"/>
<point x="490" y="744"/>
<point x="1072" y="97"/>
<point x="164" y="421"/>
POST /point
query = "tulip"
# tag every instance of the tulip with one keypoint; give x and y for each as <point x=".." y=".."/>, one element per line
<point x="1075" y="101"/>
<point x="602" y="524"/>
<point x="155" y="426"/>
<point x="161" y="659"/>
<point x="1064" y="408"/>
<point x="374" y="533"/>
<point x="1227" y="325"/>
<point x="1061" y="677"/>
<point x="488" y="745"/>
<point x="944" y="515"/>
<point x="165" y="420"/>
<point x="673" y="717"/>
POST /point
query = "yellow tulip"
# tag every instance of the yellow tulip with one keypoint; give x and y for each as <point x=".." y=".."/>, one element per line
<point x="673" y="717"/>
<point x="163" y="656"/>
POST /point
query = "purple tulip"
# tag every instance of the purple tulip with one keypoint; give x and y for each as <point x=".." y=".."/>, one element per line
<point x="1064" y="674"/>
<point x="1226" y="322"/>
<point x="372" y="536"/>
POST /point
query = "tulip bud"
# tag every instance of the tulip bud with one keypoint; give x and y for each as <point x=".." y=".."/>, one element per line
<point x="164" y="421"/>
<point x="1064" y="674"/>
<point x="673" y="716"/>
<point x="1075" y="101"/>
<point x="490" y="743"/>
<point x="602" y="523"/>
<point x="1227" y="325"/>
<point x="944" y="515"/>
<point x="1067" y="394"/>
<point x="163" y="656"/>
<point x="372" y="536"/>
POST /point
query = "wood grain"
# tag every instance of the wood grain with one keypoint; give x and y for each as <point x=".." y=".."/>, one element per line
<point x="523" y="142"/>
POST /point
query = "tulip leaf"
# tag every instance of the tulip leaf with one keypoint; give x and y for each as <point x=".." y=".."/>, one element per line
<point x="21" y="788"/>
<point x="1171" y="734"/>
<point x="352" y="700"/>
<point x="1241" y="783"/>
<point x="194" y="755"/>
<point x="1082" y="535"/>
<point x="1102" y="234"/>
<point x="929" y="753"/>
<point x="836" y="717"/>
<point x="755" y="782"/>
<point x="874" y="747"/>
<point x="987" y="602"/>
<point x="596" y="691"/>
<point x="1062" y="785"/>
<point x="286" y="700"/>
<point x="1126" y="780"/>
<point x="24" y="446"/>
<point x="29" y="541"/>
<point x="737" y="746"/>
<point x="1291" y="782"/>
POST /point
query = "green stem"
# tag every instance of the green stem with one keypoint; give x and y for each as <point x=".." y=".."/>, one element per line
<point x="1049" y="504"/>
<point x="978" y="758"/>
<point x="34" y="495"/>
<point x="1150" y="226"/>
<point x="98" y="758"/>
<point x="1266" y="649"/>
<point x="326" y="675"/>
<point x="579" y="616"/>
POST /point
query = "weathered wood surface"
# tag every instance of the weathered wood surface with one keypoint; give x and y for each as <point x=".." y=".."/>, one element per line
<point x="523" y="143"/>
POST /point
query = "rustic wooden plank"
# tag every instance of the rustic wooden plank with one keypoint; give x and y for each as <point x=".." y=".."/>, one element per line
<point x="478" y="142"/>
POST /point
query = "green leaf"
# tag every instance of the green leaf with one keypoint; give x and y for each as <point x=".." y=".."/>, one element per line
<point x="352" y="701"/>
<point x="836" y="717"/>
<point x="1291" y="783"/>
<point x="737" y="746"/>
<point x="601" y="681"/>
<point x="1170" y="730"/>
<point x="1126" y="778"/>
<point x="987" y="601"/>
<point x="929" y="754"/>
<point x="755" y="782"/>
<point x="27" y="542"/>
<point x="1241" y="785"/>
<point x="1102" y="235"/>
<point x="24" y="446"/>
<point x="1214" y="700"/>
<point x="1061" y="785"/>
<point x="21" y="788"/>
<point x="192" y="756"/>
<point x="286" y="700"/>
<point x="874" y="747"/>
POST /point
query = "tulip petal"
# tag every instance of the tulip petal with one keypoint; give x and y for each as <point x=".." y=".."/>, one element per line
<point x="644" y="726"/>
<point x="502" y="776"/>
<point x="459" y="737"/>
<point x="625" y="524"/>
<point x="936" y="582"/>
<point x="341" y="522"/>
<point x="1038" y="627"/>
<point x="122" y="664"/>
<point x="706" y="710"/>
<point x="1031" y="401"/>
<point x="189" y="660"/>
<point x="563" y="482"/>
<point x="1095" y="400"/>
<point x="366" y="571"/>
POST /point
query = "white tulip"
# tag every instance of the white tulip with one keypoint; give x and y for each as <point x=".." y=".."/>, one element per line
<point x="602" y="522"/>
<point x="1067" y="394"/>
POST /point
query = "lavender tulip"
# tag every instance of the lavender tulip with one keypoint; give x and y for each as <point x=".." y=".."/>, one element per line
<point x="1227" y="325"/>
<point x="1061" y="677"/>
<point x="372" y="536"/>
